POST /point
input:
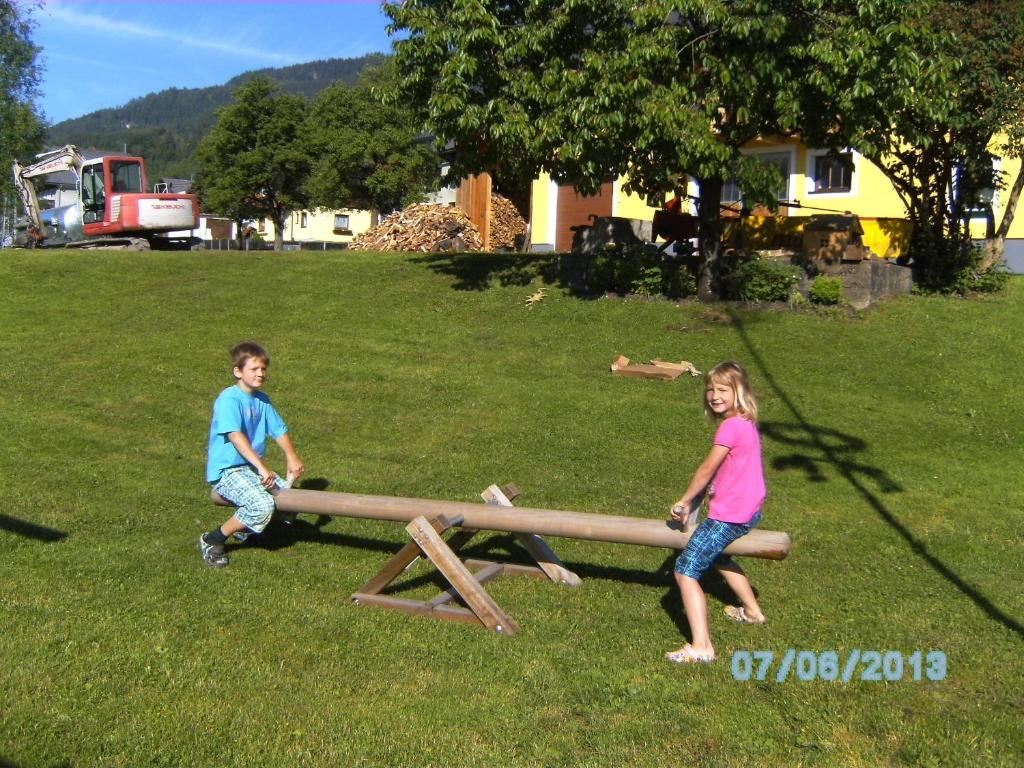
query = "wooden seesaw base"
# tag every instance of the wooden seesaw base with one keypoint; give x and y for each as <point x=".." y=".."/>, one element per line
<point x="428" y="522"/>
<point x="465" y="577"/>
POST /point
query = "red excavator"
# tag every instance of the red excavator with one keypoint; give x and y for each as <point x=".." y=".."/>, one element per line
<point x="74" y="201"/>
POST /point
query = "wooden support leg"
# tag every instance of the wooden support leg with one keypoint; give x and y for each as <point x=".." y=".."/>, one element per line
<point x="484" y="573"/>
<point x="535" y="545"/>
<point x="427" y="541"/>
<point x="404" y="558"/>
<point x="469" y="589"/>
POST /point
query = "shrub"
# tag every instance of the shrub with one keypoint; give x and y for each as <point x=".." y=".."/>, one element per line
<point x="798" y="301"/>
<point x="648" y="281"/>
<point x="956" y="268"/>
<point x="826" y="290"/>
<point x="980" y="274"/>
<point x="641" y="270"/>
<point x="761" y="280"/>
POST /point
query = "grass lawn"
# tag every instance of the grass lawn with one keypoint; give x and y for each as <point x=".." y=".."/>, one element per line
<point x="893" y="457"/>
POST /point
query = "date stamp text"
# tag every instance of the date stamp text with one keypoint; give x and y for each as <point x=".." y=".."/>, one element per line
<point x="855" y="665"/>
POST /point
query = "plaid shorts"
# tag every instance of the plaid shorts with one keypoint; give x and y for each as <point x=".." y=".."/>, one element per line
<point x="704" y="549"/>
<point x="254" y="504"/>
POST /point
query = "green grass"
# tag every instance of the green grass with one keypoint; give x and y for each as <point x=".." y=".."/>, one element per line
<point x="893" y="453"/>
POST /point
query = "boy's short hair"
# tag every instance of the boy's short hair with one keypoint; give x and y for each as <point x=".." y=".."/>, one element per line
<point x="241" y="353"/>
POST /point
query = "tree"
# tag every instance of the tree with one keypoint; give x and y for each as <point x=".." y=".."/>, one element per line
<point x="1001" y="64"/>
<point x="253" y="163"/>
<point x="364" y="152"/>
<point x="654" y="91"/>
<point x="21" y="126"/>
<point x="933" y="138"/>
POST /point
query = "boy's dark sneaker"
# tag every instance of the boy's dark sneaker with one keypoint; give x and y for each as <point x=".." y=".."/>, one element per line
<point x="213" y="554"/>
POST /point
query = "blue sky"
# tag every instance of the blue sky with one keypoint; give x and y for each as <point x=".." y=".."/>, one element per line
<point x="103" y="53"/>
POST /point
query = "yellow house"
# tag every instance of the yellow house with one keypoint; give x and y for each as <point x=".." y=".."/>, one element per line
<point x="814" y="183"/>
<point x="1014" y="251"/>
<point x="341" y="226"/>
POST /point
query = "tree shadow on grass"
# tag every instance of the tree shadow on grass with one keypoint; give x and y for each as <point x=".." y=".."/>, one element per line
<point x="808" y="453"/>
<point x="30" y="531"/>
<point x="817" y="447"/>
<point x="478" y="271"/>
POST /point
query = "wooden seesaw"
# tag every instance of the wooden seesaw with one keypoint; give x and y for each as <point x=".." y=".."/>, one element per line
<point x="429" y="519"/>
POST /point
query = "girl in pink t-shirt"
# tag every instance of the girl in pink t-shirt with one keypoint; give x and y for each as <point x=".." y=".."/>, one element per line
<point x="734" y="477"/>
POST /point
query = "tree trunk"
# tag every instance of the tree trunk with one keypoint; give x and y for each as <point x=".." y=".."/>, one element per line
<point x="280" y="217"/>
<point x="240" y="230"/>
<point x="1010" y="209"/>
<point x="709" y="238"/>
<point x="995" y="243"/>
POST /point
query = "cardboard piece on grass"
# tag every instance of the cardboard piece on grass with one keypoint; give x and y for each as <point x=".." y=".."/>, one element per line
<point x="656" y="369"/>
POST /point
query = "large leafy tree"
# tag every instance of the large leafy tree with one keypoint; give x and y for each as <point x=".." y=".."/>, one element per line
<point x="253" y="163"/>
<point x="364" y="152"/>
<point x="592" y="89"/>
<point x="21" y="126"/>
<point x="933" y="137"/>
<point x="994" y="86"/>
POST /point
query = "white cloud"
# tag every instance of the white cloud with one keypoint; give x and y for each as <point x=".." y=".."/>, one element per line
<point x="88" y="21"/>
<point x="98" y="65"/>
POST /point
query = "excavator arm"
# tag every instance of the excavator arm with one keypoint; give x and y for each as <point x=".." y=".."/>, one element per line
<point x="66" y="158"/>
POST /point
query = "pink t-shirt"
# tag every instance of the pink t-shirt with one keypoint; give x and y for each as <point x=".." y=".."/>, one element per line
<point x="738" y="489"/>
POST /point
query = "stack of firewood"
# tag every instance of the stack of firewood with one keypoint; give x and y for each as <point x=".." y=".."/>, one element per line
<point x="421" y="227"/>
<point x="506" y="223"/>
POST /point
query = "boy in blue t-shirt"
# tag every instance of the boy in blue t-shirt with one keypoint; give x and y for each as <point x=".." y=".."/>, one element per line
<point x="243" y="418"/>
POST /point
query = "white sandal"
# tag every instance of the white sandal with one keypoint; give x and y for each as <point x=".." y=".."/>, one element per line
<point x="687" y="655"/>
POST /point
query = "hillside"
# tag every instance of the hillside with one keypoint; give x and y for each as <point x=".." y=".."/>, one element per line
<point x="166" y="127"/>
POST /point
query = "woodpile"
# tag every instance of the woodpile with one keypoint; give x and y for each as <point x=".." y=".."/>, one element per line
<point x="431" y="227"/>
<point x="506" y="223"/>
<point x="422" y="227"/>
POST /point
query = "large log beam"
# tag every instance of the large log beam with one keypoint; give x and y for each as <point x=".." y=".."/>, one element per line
<point x="590" y="526"/>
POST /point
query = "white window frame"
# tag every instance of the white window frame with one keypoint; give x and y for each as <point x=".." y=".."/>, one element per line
<point x="791" y="178"/>
<point x="812" y="161"/>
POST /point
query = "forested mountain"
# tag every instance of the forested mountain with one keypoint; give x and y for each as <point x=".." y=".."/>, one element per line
<point x="166" y="127"/>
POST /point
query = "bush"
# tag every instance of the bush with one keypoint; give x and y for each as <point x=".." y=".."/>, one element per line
<point x="640" y="270"/>
<point x="980" y="274"/>
<point x="761" y="280"/>
<point x="826" y="290"/>
<point x="952" y="267"/>
<point x="648" y="281"/>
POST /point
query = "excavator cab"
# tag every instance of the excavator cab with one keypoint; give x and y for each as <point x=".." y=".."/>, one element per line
<point x="123" y="177"/>
<point x="126" y="176"/>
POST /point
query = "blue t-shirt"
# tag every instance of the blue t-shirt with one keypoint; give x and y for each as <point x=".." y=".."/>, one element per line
<point x="237" y="411"/>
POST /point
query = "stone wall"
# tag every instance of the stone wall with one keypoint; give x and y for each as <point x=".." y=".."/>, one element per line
<point x="868" y="281"/>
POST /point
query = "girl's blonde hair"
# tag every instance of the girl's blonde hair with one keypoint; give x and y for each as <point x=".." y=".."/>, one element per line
<point x="733" y="375"/>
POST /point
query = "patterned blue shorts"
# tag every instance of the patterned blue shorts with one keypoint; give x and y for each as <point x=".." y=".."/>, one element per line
<point x="254" y="504"/>
<point x="704" y="549"/>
